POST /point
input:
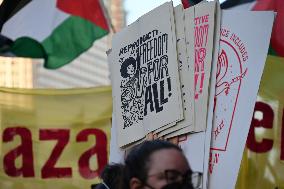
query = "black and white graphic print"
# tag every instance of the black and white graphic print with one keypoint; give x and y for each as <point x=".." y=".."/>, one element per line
<point x="145" y="79"/>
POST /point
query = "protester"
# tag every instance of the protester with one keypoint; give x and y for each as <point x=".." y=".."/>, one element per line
<point x="111" y="177"/>
<point x="158" y="165"/>
<point x="93" y="186"/>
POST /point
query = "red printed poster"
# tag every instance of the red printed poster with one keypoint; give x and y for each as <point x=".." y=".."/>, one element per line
<point x="197" y="145"/>
<point x="243" y="48"/>
<point x="203" y="47"/>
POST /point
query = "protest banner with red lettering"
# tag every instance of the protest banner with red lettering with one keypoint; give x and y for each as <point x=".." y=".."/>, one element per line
<point x="262" y="164"/>
<point x="53" y="139"/>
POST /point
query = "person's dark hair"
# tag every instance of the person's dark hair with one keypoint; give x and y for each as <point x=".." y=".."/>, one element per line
<point x="125" y="64"/>
<point x="93" y="186"/>
<point x="137" y="161"/>
<point x="111" y="175"/>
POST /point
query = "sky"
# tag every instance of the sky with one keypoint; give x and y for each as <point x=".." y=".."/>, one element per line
<point x="136" y="8"/>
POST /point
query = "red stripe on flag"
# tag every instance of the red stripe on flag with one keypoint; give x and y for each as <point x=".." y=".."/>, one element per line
<point x="88" y="9"/>
<point x="264" y="5"/>
<point x="277" y="38"/>
<point x="185" y="3"/>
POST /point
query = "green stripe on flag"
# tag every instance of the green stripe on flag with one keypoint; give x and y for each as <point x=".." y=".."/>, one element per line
<point x="27" y="47"/>
<point x="74" y="36"/>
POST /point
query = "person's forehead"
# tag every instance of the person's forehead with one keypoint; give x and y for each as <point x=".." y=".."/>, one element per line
<point x="167" y="159"/>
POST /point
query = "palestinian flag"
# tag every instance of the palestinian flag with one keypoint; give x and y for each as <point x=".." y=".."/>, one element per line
<point x="56" y="30"/>
<point x="188" y="3"/>
<point x="277" y="38"/>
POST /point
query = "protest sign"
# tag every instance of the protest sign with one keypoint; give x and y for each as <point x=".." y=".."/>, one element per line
<point x="203" y="47"/>
<point x="240" y="65"/>
<point x="223" y="71"/>
<point x="192" y="31"/>
<point x="145" y="75"/>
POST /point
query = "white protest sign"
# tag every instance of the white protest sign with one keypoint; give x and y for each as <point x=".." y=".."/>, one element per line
<point x="243" y="48"/>
<point x="145" y="76"/>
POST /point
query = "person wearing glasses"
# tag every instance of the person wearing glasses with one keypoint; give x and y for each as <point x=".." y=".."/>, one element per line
<point x="158" y="164"/>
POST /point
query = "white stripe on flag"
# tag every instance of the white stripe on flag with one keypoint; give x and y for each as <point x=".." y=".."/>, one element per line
<point x="37" y="20"/>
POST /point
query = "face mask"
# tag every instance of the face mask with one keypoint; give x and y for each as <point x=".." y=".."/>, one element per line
<point x="177" y="185"/>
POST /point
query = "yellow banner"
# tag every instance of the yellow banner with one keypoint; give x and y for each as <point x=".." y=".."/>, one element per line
<point x="263" y="159"/>
<point x="53" y="139"/>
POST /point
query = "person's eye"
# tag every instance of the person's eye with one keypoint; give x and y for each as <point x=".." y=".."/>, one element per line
<point x="161" y="176"/>
<point x="173" y="177"/>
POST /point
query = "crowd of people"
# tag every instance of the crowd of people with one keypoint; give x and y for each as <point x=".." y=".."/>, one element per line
<point x="156" y="164"/>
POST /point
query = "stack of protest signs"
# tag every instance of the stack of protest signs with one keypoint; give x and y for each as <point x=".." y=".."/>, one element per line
<point x="160" y="70"/>
<point x="191" y="75"/>
<point x="145" y="76"/>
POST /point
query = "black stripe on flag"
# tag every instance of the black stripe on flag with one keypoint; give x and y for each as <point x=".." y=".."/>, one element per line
<point x="9" y="8"/>
<point x="231" y="3"/>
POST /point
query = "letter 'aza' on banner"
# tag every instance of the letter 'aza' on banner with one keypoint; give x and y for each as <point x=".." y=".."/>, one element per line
<point x="243" y="49"/>
<point x="145" y="77"/>
<point x="53" y="138"/>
